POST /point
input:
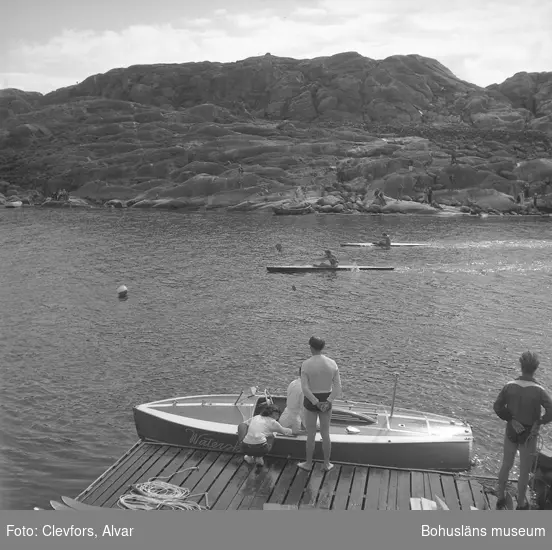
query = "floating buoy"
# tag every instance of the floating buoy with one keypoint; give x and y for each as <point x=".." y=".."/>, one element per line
<point x="122" y="291"/>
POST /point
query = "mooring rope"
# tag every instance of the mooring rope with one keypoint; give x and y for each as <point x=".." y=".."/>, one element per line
<point x="157" y="495"/>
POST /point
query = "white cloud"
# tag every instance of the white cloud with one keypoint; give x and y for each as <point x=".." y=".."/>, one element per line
<point x="482" y="42"/>
<point x="302" y="11"/>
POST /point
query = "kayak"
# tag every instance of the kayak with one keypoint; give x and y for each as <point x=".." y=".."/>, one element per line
<point x="377" y="245"/>
<point x="299" y="268"/>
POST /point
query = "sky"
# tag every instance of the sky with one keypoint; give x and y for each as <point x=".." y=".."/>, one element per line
<point x="48" y="44"/>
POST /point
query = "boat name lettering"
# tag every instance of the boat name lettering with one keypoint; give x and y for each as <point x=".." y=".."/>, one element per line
<point x="211" y="443"/>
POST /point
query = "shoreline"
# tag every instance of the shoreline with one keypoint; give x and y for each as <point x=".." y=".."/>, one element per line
<point x="447" y="212"/>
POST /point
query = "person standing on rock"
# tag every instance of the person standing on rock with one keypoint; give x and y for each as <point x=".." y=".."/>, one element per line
<point x="519" y="404"/>
<point x="429" y="195"/>
<point x="321" y="384"/>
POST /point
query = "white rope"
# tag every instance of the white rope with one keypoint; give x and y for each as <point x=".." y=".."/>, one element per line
<point x="157" y="495"/>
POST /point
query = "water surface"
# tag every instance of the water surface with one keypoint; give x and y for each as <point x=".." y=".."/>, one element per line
<point x="203" y="315"/>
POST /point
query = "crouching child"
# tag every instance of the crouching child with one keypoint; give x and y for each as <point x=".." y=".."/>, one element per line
<point x="256" y="435"/>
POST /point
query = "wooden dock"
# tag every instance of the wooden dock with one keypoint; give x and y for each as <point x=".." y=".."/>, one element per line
<point x="232" y="484"/>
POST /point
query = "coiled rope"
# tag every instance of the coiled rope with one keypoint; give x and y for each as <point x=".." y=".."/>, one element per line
<point x="158" y="495"/>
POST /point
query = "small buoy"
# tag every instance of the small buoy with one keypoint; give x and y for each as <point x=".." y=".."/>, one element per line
<point x="122" y="291"/>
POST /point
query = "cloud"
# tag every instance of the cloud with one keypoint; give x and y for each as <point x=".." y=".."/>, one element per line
<point x="309" y="12"/>
<point x="482" y="42"/>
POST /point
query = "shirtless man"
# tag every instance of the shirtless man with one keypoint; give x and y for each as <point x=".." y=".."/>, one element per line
<point x="321" y="384"/>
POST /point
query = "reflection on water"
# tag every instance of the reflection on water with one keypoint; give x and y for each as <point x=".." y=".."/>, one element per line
<point x="203" y="315"/>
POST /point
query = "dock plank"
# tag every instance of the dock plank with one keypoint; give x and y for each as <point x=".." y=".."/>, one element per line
<point x="479" y="496"/>
<point x="194" y="477"/>
<point x="343" y="488"/>
<point x="191" y="466"/>
<point x="282" y="486"/>
<point x="403" y="490"/>
<point x="465" y="494"/>
<point x="375" y="479"/>
<point x="435" y="485"/>
<point x="358" y="489"/>
<point x="417" y="488"/>
<point x="273" y="472"/>
<point x="312" y="490"/>
<point x="450" y="494"/>
<point x="327" y="488"/>
<point x="210" y="476"/>
<point x="125" y="478"/>
<point x="129" y="456"/>
<point x="427" y="485"/>
<point x="223" y="479"/>
<point x="142" y="453"/>
<point x="233" y="487"/>
<point x="182" y="461"/>
<point x="154" y="470"/>
<point x="392" y="490"/>
<point x="297" y="487"/>
<point x="384" y="491"/>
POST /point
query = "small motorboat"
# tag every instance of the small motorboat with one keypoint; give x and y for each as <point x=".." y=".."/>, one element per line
<point x="302" y="268"/>
<point x="13" y="204"/>
<point x="361" y="433"/>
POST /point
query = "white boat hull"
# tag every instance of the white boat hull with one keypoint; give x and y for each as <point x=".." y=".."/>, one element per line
<point x="408" y="439"/>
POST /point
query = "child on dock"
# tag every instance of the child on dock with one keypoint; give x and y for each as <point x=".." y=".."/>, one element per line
<point x="259" y="438"/>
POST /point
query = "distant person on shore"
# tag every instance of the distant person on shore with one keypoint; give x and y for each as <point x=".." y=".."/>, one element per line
<point x="258" y="440"/>
<point x="321" y="384"/>
<point x="380" y="198"/>
<point x="535" y="198"/>
<point x="519" y="404"/>
<point x="385" y="242"/>
<point x="429" y="195"/>
<point x="293" y="416"/>
<point x="329" y="259"/>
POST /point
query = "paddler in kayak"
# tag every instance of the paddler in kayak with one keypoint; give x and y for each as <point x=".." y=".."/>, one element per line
<point x="328" y="260"/>
<point x="385" y="242"/>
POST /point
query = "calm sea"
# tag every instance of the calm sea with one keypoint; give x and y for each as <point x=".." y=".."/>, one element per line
<point x="203" y="315"/>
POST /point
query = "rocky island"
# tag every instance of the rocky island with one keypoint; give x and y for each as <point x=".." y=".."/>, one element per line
<point x="340" y="134"/>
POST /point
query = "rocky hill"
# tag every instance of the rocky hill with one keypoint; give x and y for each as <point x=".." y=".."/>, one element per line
<point x="252" y="133"/>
